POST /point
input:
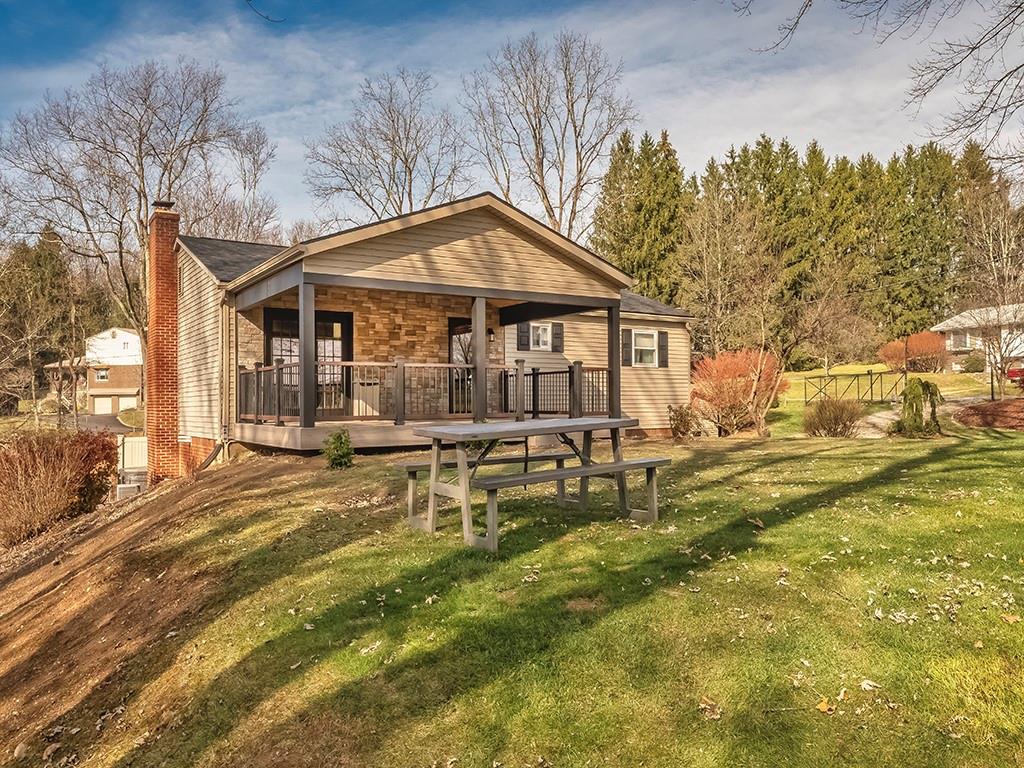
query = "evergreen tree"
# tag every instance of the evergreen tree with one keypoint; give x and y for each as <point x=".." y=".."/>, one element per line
<point x="638" y="220"/>
<point x="613" y="215"/>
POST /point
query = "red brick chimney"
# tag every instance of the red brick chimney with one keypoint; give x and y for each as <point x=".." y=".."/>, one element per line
<point x="162" y="344"/>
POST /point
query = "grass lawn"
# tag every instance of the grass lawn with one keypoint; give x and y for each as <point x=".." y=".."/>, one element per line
<point x="829" y="602"/>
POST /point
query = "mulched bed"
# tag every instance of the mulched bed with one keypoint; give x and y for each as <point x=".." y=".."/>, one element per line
<point x="1003" y="414"/>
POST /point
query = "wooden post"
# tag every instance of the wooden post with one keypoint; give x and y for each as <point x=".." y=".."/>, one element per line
<point x="520" y="390"/>
<point x="576" y="390"/>
<point x="307" y="355"/>
<point x="479" y="332"/>
<point x="278" y="389"/>
<point x="399" y="392"/>
<point x="239" y="381"/>
<point x="535" y="391"/>
<point x="614" y="363"/>
<point x="257" y="406"/>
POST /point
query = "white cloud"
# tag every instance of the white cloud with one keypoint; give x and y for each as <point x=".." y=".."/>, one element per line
<point x="691" y="68"/>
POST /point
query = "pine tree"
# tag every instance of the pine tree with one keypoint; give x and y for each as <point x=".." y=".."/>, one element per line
<point x="613" y="223"/>
<point x="657" y="211"/>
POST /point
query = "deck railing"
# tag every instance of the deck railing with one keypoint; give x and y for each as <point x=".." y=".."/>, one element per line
<point x="399" y="391"/>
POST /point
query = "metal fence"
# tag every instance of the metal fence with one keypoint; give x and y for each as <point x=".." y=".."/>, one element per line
<point x="869" y="387"/>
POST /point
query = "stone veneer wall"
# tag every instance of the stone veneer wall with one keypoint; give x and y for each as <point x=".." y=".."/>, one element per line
<point x="386" y="324"/>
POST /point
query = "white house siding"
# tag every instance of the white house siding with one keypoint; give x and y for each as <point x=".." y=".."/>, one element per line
<point x="199" y="351"/>
<point x="646" y="392"/>
<point x="114" y="346"/>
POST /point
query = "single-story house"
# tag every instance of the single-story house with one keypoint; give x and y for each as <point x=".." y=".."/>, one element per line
<point x="974" y="332"/>
<point x="398" y="322"/>
<point x="109" y="373"/>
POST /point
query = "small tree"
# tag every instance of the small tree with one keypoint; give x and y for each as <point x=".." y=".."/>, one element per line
<point x="732" y="389"/>
<point x="918" y="396"/>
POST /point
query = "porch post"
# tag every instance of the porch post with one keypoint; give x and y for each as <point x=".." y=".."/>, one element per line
<point x="307" y="355"/>
<point x="479" y="328"/>
<point x="614" y="363"/>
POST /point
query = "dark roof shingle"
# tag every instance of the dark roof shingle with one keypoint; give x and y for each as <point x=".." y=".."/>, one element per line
<point x="634" y="302"/>
<point x="228" y="259"/>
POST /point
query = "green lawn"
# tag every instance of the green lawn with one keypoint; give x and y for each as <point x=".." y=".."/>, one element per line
<point x="831" y="602"/>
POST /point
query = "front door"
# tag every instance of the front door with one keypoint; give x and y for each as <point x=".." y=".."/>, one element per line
<point x="460" y="352"/>
<point x="333" y="332"/>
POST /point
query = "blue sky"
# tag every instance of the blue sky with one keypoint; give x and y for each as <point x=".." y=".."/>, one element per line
<point x="691" y="66"/>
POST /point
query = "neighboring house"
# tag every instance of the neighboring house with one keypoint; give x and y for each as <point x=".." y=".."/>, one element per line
<point x="381" y="326"/>
<point x="109" y="374"/>
<point x="987" y="333"/>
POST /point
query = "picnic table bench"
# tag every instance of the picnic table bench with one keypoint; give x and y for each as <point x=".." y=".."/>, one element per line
<point x="491" y="434"/>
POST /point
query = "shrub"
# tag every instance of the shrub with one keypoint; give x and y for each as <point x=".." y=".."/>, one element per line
<point x="49" y="475"/>
<point x="683" y="421"/>
<point x="338" y="450"/>
<point x="833" y="418"/>
<point x="972" y="364"/>
<point x="916" y="396"/>
<point x="923" y="352"/>
<point x="723" y="390"/>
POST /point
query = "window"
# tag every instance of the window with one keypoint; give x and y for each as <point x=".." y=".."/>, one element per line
<point x="958" y="340"/>
<point x="102" y="374"/>
<point x="645" y="348"/>
<point x="540" y="336"/>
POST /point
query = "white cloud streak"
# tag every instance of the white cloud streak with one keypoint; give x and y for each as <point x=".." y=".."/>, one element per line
<point x="691" y="68"/>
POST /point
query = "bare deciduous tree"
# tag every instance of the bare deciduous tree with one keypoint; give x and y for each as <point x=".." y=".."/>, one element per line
<point x="397" y="153"/>
<point x="543" y="118"/>
<point x="992" y="273"/>
<point x="985" y="60"/>
<point x="90" y="161"/>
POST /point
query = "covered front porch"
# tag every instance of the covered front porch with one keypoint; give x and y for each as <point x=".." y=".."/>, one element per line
<point x="380" y="362"/>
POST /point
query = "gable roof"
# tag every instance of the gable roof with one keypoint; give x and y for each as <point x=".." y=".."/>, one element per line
<point x="228" y="259"/>
<point x="641" y="305"/>
<point x="574" y="251"/>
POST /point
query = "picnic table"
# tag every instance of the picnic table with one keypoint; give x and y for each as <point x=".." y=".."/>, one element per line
<point x="490" y="435"/>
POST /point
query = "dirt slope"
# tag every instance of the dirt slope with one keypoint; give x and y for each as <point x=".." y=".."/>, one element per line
<point x="82" y="606"/>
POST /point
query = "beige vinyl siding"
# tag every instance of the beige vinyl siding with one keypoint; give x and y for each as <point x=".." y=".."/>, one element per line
<point x="646" y="392"/>
<point x="199" y="351"/>
<point x="471" y="249"/>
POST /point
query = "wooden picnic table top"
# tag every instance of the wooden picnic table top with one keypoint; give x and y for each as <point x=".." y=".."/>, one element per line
<point x="499" y="430"/>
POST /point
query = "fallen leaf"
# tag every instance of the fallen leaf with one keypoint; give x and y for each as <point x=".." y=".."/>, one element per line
<point x="843" y="694"/>
<point x="20" y="751"/>
<point x="869" y="685"/>
<point x="295" y="665"/>
<point x="825" y="706"/>
<point x="710" y="709"/>
<point x="978" y="644"/>
<point x="48" y="752"/>
<point x="756" y="521"/>
<point x="1010" y="618"/>
<point x="308" y="627"/>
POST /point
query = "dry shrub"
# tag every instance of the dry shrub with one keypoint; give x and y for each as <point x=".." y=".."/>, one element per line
<point x="49" y="475"/>
<point x="723" y="390"/>
<point x="833" y="418"/>
<point x="923" y="352"/>
<point x="683" y="421"/>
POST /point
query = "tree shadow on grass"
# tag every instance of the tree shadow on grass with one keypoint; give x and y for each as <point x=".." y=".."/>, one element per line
<point x="148" y="598"/>
<point x="422" y="684"/>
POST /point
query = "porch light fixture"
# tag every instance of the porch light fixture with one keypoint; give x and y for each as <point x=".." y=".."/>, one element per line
<point x="490" y="335"/>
